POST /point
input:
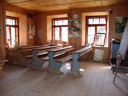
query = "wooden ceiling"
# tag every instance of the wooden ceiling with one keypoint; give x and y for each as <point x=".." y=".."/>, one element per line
<point x="52" y="5"/>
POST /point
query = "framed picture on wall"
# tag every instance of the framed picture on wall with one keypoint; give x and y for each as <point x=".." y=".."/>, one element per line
<point x="75" y="28"/>
<point x="120" y="23"/>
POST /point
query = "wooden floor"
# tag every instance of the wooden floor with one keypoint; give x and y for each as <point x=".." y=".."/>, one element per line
<point x="97" y="81"/>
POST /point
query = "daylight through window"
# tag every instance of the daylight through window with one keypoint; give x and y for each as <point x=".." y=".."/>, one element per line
<point x="12" y="28"/>
<point x="60" y="29"/>
<point x="96" y="30"/>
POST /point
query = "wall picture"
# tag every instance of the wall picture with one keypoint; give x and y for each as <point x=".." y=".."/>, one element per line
<point x="75" y="28"/>
<point x="120" y="23"/>
<point x="98" y="55"/>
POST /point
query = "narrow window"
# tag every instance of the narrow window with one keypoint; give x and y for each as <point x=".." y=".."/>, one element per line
<point x="12" y="31"/>
<point x="96" y="30"/>
<point x="60" y="29"/>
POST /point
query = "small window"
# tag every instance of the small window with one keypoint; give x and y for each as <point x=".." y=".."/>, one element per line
<point x="102" y="21"/>
<point x="96" y="30"/>
<point x="60" y="29"/>
<point x="96" y="20"/>
<point x="12" y="34"/>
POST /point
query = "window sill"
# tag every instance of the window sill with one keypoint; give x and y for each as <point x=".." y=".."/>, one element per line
<point x="100" y="46"/>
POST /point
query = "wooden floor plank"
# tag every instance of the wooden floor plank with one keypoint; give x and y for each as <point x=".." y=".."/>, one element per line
<point x="97" y="81"/>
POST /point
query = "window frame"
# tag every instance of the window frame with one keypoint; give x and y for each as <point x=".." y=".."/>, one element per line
<point x="96" y="25"/>
<point x="15" y="26"/>
<point x="54" y="26"/>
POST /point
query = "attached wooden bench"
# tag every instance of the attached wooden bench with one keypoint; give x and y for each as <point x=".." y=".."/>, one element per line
<point x="75" y="64"/>
<point x="42" y="52"/>
<point x="24" y="58"/>
<point x="11" y="55"/>
<point x="2" y="62"/>
<point x="38" y="62"/>
<point x="54" y="66"/>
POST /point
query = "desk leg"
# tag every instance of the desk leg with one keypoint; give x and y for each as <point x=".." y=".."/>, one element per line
<point x="1" y="72"/>
<point x="75" y="65"/>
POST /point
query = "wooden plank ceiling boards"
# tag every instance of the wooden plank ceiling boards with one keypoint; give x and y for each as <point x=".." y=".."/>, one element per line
<point x="51" y="5"/>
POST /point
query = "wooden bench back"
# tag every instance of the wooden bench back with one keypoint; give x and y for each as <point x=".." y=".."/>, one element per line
<point x="84" y="50"/>
<point x="59" y="52"/>
<point x="28" y="49"/>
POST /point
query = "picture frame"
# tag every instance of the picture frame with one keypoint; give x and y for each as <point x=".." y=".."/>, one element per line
<point x="120" y="23"/>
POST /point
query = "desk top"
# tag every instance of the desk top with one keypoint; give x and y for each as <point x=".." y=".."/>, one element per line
<point x="3" y="61"/>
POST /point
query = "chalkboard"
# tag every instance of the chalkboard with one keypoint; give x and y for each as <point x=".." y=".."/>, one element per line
<point x="124" y="42"/>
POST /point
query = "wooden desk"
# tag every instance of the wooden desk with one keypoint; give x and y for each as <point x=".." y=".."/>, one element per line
<point x="2" y="62"/>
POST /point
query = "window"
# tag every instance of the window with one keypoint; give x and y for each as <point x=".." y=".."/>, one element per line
<point x="12" y="31"/>
<point x="96" y="30"/>
<point x="60" y="29"/>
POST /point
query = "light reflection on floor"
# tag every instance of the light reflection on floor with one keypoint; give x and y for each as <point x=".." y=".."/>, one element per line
<point x="81" y="69"/>
<point x="107" y="67"/>
<point x="68" y="66"/>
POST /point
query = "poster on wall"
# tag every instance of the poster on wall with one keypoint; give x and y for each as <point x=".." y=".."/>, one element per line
<point x="120" y="23"/>
<point x="31" y="31"/>
<point x="75" y="28"/>
<point x="98" y="55"/>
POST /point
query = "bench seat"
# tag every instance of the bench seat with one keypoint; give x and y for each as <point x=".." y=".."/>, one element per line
<point x="3" y="61"/>
<point x="64" y="59"/>
<point x="56" y="55"/>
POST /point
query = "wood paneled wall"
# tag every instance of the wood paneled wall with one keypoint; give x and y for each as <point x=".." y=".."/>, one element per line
<point x="41" y="25"/>
<point x="41" y="28"/>
<point x="2" y="34"/>
<point x="117" y="11"/>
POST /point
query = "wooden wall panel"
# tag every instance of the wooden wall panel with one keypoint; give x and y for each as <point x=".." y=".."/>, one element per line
<point x="2" y="34"/>
<point x="23" y="30"/>
<point x="41" y="28"/>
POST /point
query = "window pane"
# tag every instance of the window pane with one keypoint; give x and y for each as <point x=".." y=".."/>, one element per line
<point x="16" y="36"/>
<point x="10" y="22"/>
<point x="100" y="39"/>
<point x="101" y="29"/>
<point x="96" y="21"/>
<point x="59" y="22"/>
<point x="56" y="22"/>
<point x="65" y="22"/>
<point x="13" y="36"/>
<point x="8" y="35"/>
<point x="13" y="22"/>
<point x="90" y="21"/>
<point x="57" y="33"/>
<point x="91" y="31"/>
<point x="90" y="39"/>
<point x="102" y="21"/>
<point x="64" y="33"/>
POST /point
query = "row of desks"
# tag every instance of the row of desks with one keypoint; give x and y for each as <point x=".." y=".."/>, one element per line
<point x="40" y="52"/>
